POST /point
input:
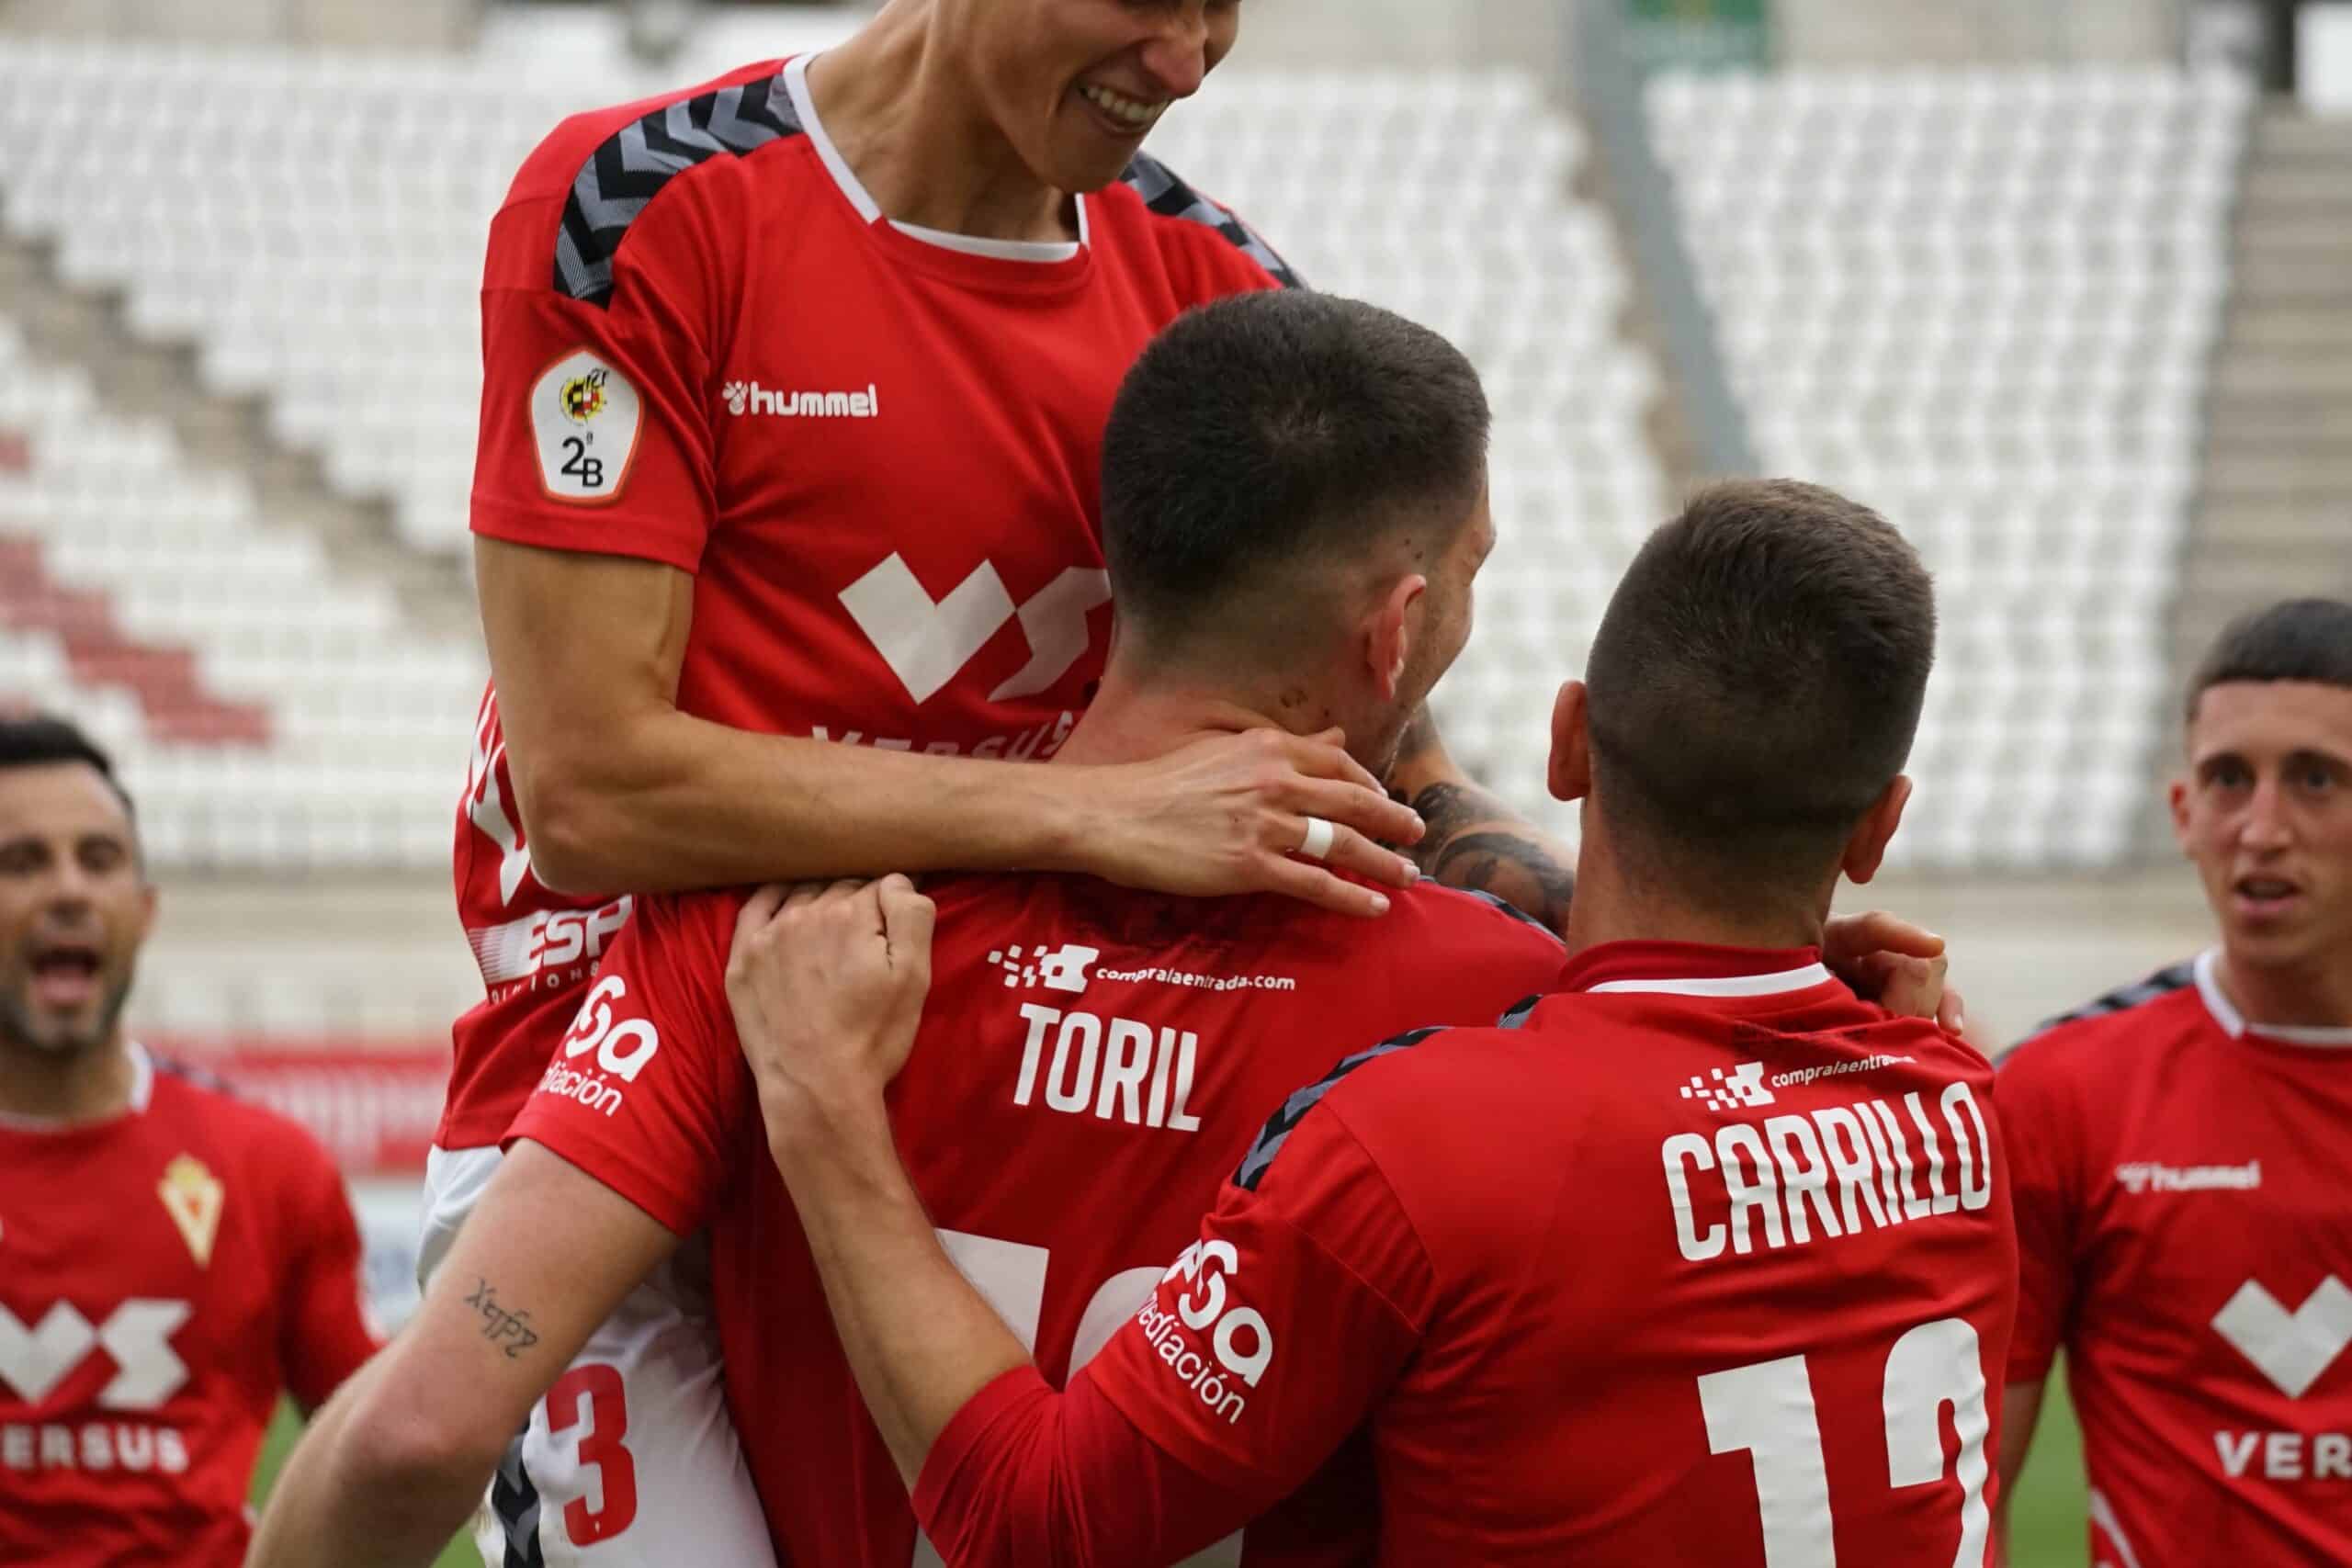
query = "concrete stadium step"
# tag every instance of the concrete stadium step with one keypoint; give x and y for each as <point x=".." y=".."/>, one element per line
<point x="2294" y="329"/>
<point x="2268" y="477"/>
<point x="2252" y="372"/>
<point x="2284" y="137"/>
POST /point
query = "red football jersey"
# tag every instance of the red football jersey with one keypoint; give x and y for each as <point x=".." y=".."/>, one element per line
<point x="163" y="1273"/>
<point x="2181" y="1218"/>
<point x="878" y="456"/>
<point x="1092" y="1062"/>
<point x="1700" y="1261"/>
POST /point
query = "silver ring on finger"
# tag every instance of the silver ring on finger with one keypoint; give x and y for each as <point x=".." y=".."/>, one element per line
<point x="1319" y="837"/>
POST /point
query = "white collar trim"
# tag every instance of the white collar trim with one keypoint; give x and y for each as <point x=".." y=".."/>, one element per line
<point x="142" y="1089"/>
<point x="2233" y="1023"/>
<point x="1772" y="984"/>
<point x="796" y="83"/>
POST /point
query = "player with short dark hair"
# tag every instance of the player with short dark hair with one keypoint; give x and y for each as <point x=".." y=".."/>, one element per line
<point x="170" y="1258"/>
<point x="785" y="512"/>
<point x="1103" y="1052"/>
<point x="2183" y="1145"/>
<point x="1695" y="1258"/>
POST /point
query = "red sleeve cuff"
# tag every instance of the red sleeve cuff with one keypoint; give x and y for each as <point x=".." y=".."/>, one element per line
<point x="588" y="530"/>
<point x="637" y="1180"/>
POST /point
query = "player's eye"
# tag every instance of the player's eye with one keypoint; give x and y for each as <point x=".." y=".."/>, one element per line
<point x="101" y="855"/>
<point x="22" y="858"/>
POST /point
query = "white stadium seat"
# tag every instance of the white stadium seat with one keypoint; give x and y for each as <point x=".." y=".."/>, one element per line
<point x="1983" y="302"/>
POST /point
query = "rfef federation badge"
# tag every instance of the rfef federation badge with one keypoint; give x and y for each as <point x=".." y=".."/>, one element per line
<point x="584" y="418"/>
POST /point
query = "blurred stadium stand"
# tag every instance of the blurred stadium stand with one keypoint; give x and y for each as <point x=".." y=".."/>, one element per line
<point x="2076" y="317"/>
<point x="1986" y="301"/>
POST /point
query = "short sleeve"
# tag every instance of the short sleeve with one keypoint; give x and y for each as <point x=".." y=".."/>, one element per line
<point x="2038" y="1133"/>
<point x="595" y="432"/>
<point x="1276" y="1333"/>
<point x="325" y="1334"/>
<point x="649" y="1092"/>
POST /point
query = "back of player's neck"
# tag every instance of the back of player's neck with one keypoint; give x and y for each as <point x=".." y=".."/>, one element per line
<point x="2315" y="996"/>
<point x="1136" y="722"/>
<point x="1611" y="905"/>
<point x="928" y="156"/>
<point x="63" y="1088"/>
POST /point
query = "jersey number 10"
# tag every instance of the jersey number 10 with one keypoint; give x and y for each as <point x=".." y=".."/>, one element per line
<point x="1767" y="1408"/>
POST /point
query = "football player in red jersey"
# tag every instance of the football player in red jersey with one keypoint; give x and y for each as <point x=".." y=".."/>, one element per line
<point x="785" y="510"/>
<point x="1696" y="1258"/>
<point x="2183" y="1146"/>
<point x="1295" y="506"/>
<point x="170" y="1258"/>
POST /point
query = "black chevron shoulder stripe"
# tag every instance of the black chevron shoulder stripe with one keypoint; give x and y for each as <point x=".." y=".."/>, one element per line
<point x="1165" y="195"/>
<point x="1276" y="1132"/>
<point x="2162" y="983"/>
<point x="630" y="167"/>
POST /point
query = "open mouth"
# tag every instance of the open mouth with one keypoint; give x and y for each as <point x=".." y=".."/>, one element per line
<point x="1127" y="116"/>
<point x="2262" y="896"/>
<point x="65" y="974"/>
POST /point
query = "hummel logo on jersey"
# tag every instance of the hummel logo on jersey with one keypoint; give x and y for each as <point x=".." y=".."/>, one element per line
<point x="750" y="397"/>
<point x="1064" y="969"/>
<point x="2148" y="1176"/>
<point x="2290" y="1348"/>
<point x="1744" y="1088"/>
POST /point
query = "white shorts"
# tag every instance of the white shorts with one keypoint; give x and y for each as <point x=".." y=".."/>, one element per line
<point x="630" y="1461"/>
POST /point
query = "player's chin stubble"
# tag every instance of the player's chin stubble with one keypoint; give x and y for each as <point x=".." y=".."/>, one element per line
<point x="22" y="1031"/>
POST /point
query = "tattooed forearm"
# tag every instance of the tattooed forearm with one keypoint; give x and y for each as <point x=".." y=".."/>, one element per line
<point x="1475" y="840"/>
<point x="510" y="1331"/>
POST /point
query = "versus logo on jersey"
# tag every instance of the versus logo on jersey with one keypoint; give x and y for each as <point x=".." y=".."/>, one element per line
<point x="136" y="1335"/>
<point x="926" y="642"/>
<point x="2292" y="1349"/>
<point x="137" y="1338"/>
<point x="1064" y="969"/>
<point x="584" y="421"/>
<point x="622" y="1049"/>
<point x="1744" y="1088"/>
<point x="1239" y="1337"/>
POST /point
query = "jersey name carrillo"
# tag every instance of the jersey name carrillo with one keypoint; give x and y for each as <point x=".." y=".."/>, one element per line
<point x="1794" y="1179"/>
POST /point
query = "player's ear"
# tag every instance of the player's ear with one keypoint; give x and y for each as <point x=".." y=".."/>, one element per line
<point x="2176" y="798"/>
<point x="1867" y="847"/>
<point x="1570" y="774"/>
<point x="1389" y="639"/>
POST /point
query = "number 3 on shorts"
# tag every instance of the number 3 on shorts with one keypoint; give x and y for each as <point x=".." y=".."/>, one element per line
<point x="594" y="1394"/>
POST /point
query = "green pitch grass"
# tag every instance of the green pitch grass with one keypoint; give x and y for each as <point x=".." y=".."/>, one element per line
<point x="2046" y="1517"/>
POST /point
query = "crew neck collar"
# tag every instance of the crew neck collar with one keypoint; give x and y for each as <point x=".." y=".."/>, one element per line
<point x="1694" y="969"/>
<point x="2208" y="970"/>
<point x="1036" y="252"/>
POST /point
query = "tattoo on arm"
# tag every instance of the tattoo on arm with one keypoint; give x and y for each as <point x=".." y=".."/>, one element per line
<point x="1476" y="841"/>
<point x="510" y="1331"/>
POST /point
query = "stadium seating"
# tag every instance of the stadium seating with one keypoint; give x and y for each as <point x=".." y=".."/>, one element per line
<point x="316" y="226"/>
<point x="1985" y="302"/>
<point x="270" y="713"/>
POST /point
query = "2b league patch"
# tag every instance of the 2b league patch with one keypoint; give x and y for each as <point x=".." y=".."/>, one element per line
<point x="584" y="420"/>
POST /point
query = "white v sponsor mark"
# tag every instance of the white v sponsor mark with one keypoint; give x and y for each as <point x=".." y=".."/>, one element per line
<point x="2291" y="1350"/>
<point x="926" y="642"/>
<point x="33" y="1362"/>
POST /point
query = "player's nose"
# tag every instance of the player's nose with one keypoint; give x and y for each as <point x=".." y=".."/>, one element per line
<point x="1176" y="58"/>
<point x="2265" y="824"/>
